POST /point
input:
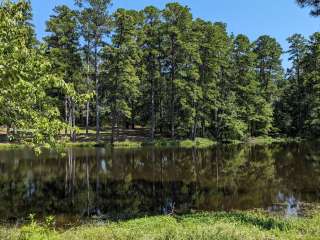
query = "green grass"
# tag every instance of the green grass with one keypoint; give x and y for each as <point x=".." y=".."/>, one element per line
<point x="266" y="140"/>
<point x="197" y="143"/>
<point x="11" y="145"/>
<point x="205" y="226"/>
<point x="127" y="144"/>
<point x="81" y="144"/>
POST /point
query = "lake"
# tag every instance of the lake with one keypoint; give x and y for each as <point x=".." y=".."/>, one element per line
<point x="123" y="183"/>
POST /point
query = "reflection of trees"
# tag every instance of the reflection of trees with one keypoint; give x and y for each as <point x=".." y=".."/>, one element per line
<point x="148" y="181"/>
<point x="298" y="167"/>
<point x="237" y="177"/>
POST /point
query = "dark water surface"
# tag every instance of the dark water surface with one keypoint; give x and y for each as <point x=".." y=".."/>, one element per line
<point x="105" y="183"/>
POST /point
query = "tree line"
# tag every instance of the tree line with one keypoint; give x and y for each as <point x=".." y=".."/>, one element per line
<point x="178" y="76"/>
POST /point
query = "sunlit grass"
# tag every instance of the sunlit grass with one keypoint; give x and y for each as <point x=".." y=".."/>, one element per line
<point x="127" y="144"/>
<point x="197" y="143"/>
<point x="11" y="145"/>
<point x="205" y="226"/>
<point x="81" y="144"/>
<point x="266" y="140"/>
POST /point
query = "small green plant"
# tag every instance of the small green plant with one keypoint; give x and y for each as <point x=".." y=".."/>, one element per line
<point x="36" y="231"/>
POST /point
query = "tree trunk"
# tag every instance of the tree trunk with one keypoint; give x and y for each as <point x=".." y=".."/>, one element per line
<point x="216" y="123"/>
<point x="132" y="117"/>
<point x="153" y="121"/>
<point x="87" y="117"/>
<point x="70" y="119"/>
<point x="172" y="111"/>
<point x="172" y="119"/>
<point x="97" y="92"/>
<point x="194" y="129"/>
<point x="203" y="125"/>
<point x="74" y="134"/>
<point x="88" y="84"/>
<point x="117" y="126"/>
<point x="195" y="122"/>
<point x="8" y="130"/>
<point x="66" y="113"/>
<point x="112" y="131"/>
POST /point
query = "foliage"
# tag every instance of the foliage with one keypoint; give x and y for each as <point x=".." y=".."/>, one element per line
<point x="35" y="231"/>
<point x="315" y="5"/>
<point x="26" y="77"/>
<point x="119" y="68"/>
<point x="160" y="69"/>
<point x="62" y="49"/>
<point x="299" y="104"/>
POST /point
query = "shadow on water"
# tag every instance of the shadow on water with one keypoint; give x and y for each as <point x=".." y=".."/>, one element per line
<point x="119" y="184"/>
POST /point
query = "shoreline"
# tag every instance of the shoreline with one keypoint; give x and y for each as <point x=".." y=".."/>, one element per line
<point x="186" y="143"/>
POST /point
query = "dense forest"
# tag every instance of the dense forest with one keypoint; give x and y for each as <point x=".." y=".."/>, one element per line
<point x="160" y="69"/>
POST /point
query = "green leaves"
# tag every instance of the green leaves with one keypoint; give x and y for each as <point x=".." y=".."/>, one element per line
<point x="26" y="78"/>
<point x="298" y="108"/>
<point x="120" y="62"/>
<point x="157" y="68"/>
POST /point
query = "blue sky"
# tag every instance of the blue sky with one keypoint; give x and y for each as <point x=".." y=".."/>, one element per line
<point x="278" y="18"/>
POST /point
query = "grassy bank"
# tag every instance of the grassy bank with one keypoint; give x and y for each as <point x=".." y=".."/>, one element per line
<point x="81" y="144"/>
<point x="11" y="145"/>
<point x="197" y="143"/>
<point x="270" y="140"/>
<point x="205" y="142"/>
<point x="235" y="226"/>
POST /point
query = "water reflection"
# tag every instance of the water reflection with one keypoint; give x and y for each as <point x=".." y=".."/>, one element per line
<point x="125" y="183"/>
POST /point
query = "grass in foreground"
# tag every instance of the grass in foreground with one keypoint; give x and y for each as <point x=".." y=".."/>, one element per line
<point x="233" y="226"/>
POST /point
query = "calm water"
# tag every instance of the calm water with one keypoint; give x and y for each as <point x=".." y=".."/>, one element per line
<point x="88" y="182"/>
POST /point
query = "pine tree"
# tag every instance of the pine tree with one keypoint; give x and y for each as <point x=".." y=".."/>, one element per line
<point x="293" y="104"/>
<point x="151" y="47"/>
<point x="312" y="86"/>
<point x="314" y="4"/>
<point x="63" y="44"/>
<point x="253" y="109"/>
<point x="268" y="52"/>
<point x="120" y="59"/>
<point x="208" y="72"/>
<point x="177" y="21"/>
<point x="96" y="21"/>
<point x="228" y="124"/>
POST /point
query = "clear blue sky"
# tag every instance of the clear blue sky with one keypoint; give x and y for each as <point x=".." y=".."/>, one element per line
<point x="278" y="18"/>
